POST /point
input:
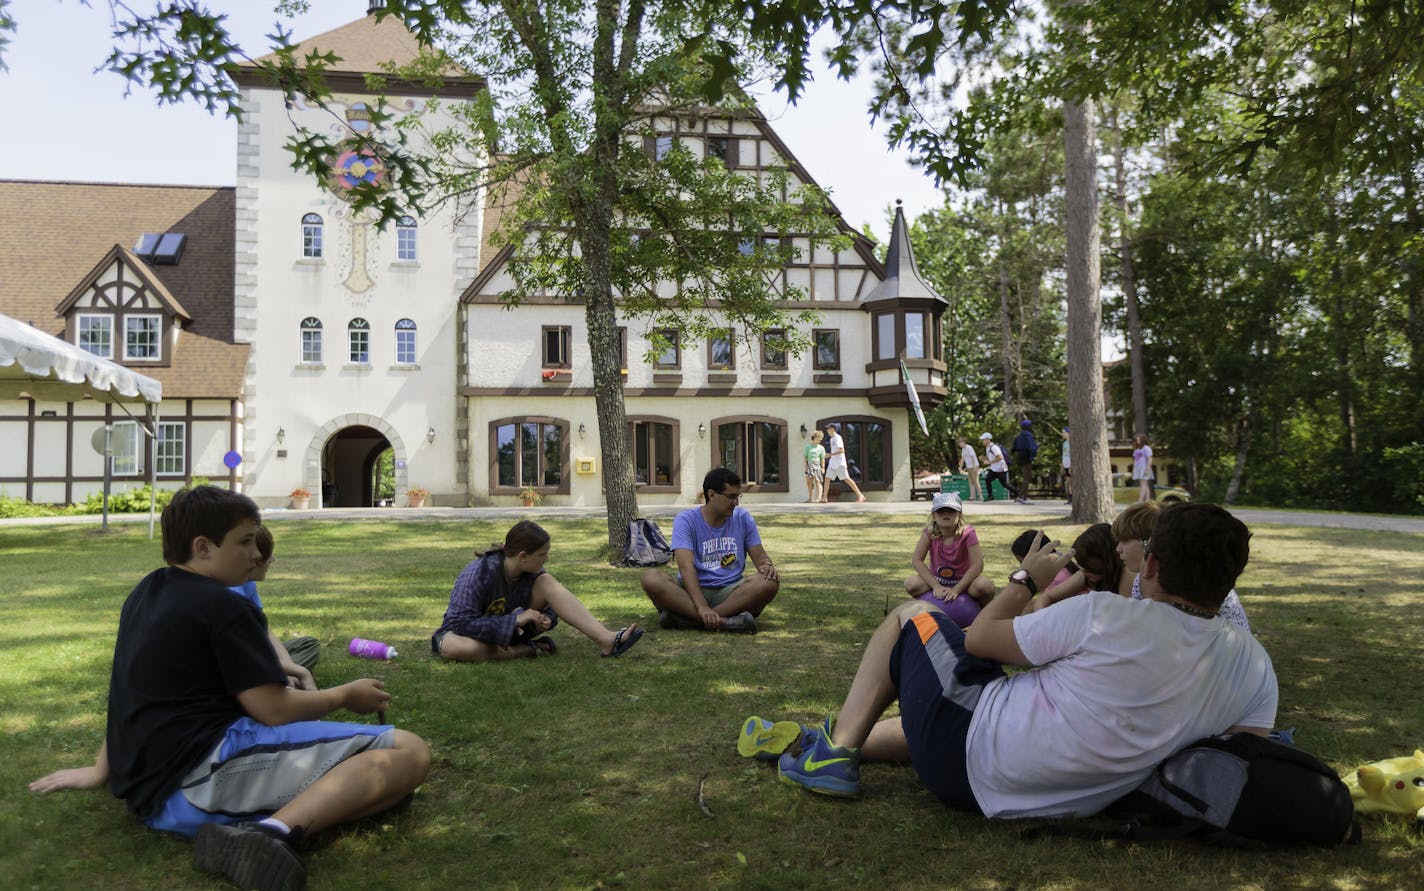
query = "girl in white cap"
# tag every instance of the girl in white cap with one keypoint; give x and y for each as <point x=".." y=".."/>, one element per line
<point x="953" y="578"/>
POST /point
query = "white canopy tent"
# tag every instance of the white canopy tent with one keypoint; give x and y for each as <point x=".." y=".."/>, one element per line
<point x="39" y="366"/>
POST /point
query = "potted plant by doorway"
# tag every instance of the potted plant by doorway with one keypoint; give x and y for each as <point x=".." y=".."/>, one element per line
<point x="416" y="496"/>
<point x="530" y="496"/>
<point x="301" y="498"/>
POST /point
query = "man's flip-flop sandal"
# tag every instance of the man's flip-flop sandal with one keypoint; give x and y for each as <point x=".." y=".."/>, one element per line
<point x="542" y="646"/>
<point x="623" y="641"/>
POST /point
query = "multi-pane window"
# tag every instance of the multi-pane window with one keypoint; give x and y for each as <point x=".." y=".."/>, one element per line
<point x="125" y="451"/>
<point x="755" y="449"/>
<point x="529" y="453"/>
<point x="96" y="335"/>
<point x="867" y="446"/>
<point x="172" y="448"/>
<point x="652" y="447"/>
<point x="670" y="356"/>
<point x="405" y="239"/>
<point x="720" y="355"/>
<point x="311" y="340"/>
<point x="556" y="346"/>
<point x="661" y="147"/>
<point x="827" y="353"/>
<point x="311" y="236"/>
<point x="773" y="348"/>
<point x="405" y="342"/>
<point x="142" y="337"/>
<point x="358" y="335"/>
<point x="916" y="334"/>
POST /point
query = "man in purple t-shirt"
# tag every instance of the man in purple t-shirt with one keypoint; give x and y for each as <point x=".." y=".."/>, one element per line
<point x="711" y="545"/>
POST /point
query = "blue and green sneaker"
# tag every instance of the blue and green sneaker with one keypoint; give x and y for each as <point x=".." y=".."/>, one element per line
<point x="764" y="740"/>
<point x="822" y="766"/>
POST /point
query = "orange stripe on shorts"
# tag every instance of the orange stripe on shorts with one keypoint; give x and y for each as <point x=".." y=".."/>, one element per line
<point x="926" y="625"/>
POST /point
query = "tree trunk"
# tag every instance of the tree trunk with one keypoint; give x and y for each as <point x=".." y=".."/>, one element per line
<point x="593" y="218"/>
<point x="1129" y="287"/>
<point x="1238" y="469"/>
<point x="1414" y="295"/>
<point x="1006" y="334"/>
<point x="1092" y="481"/>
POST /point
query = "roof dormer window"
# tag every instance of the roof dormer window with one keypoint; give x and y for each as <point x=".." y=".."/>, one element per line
<point x="96" y="335"/>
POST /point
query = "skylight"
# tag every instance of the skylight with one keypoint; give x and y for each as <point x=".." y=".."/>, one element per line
<point x="161" y="248"/>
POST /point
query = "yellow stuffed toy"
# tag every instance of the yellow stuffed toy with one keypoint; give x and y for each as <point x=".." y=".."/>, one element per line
<point x="1391" y="786"/>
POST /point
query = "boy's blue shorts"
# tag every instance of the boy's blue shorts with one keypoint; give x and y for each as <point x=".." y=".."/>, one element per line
<point x="255" y="770"/>
<point x="940" y="685"/>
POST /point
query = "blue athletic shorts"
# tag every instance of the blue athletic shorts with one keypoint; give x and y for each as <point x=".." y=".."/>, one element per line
<point x="940" y="685"/>
<point x="255" y="770"/>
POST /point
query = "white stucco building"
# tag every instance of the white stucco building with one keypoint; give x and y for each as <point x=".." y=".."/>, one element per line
<point x="297" y="337"/>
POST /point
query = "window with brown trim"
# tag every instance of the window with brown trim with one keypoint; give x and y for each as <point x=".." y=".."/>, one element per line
<point x="556" y="346"/>
<point x="826" y="350"/>
<point x="721" y="351"/>
<point x="670" y="356"/>
<point x="868" y="448"/>
<point x="653" y="444"/>
<point x="915" y="333"/>
<point x="773" y="349"/>
<point x="531" y="451"/>
<point x="754" y="447"/>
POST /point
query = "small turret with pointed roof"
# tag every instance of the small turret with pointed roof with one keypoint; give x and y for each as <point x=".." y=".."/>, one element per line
<point x="903" y="283"/>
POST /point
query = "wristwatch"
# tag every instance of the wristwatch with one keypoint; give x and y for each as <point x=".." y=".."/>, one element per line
<point x="1021" y="577"/>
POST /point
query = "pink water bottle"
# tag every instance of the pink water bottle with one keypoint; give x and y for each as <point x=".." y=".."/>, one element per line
<point x="370" y="649"/>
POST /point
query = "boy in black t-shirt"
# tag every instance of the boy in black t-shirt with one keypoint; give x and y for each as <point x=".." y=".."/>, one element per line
<point x="205" y="737"/>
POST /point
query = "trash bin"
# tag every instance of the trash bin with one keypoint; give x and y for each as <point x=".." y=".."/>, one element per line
<point x="955" y="482"/>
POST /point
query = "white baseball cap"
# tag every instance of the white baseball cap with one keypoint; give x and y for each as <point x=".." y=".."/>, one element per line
<point x="986" y="436"/>
<point x="947" y="500"/>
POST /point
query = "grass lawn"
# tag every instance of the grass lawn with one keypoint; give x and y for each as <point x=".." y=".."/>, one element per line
<point x="578" y="771"/>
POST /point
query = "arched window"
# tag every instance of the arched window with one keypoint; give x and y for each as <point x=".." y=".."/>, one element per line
<point x="358" y="335"/>
<point x="405" y="342"/>
<point x="405" y="239"/>
<point x="311" y="340"/>
<point x="532" y="451"/>
<point x="311" y="236"/>
<point x="868" y="449"/>
<point x="754" y="447"/>
<point x="653" y="444"/>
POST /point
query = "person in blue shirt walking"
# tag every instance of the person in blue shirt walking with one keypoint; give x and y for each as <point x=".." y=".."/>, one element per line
<point x="711" y="545"/>
<point x="1024" y="449"/>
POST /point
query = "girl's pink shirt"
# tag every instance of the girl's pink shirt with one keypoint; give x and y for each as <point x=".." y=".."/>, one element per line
<point x="949" y="557"/>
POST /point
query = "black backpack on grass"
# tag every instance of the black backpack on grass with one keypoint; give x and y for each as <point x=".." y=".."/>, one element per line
<point x="1242" y="787"/>
<point x="1237" y="790"/>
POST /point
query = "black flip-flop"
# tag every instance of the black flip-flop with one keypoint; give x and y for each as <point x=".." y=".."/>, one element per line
<point x="622" y="645"/>
<point x="541" y="646"/>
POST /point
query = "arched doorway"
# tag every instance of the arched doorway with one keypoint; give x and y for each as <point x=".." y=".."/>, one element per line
<point x="351" y="465"/>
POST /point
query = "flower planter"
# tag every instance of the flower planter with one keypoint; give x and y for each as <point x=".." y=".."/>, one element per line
<point x="416" y="500"/>
<point x="301" y="503"/>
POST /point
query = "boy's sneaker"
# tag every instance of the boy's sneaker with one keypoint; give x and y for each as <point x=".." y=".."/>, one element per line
<point x="741" y="623"/>
<point x="674" y="622"/>
<point x="764" y="740"/>
<point x="822" y="766"/>
<point x="249" y="856"/>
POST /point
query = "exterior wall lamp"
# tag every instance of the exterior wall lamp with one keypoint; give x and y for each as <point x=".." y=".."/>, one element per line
<point x="281" y="435"/>
<point x="430" y="435"/>
<point x="702" y="430"/>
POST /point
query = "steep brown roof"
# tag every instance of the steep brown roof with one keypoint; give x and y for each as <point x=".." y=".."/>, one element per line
<point x="53" y="234"/>
<point x="370" y="45"/>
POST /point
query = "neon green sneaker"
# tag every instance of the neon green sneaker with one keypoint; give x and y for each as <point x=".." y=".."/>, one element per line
<point x="823" y="767"/>
<point x="764" y="740"/>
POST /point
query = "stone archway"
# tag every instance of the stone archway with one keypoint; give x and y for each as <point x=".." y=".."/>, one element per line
<point x="312" y="461"/>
